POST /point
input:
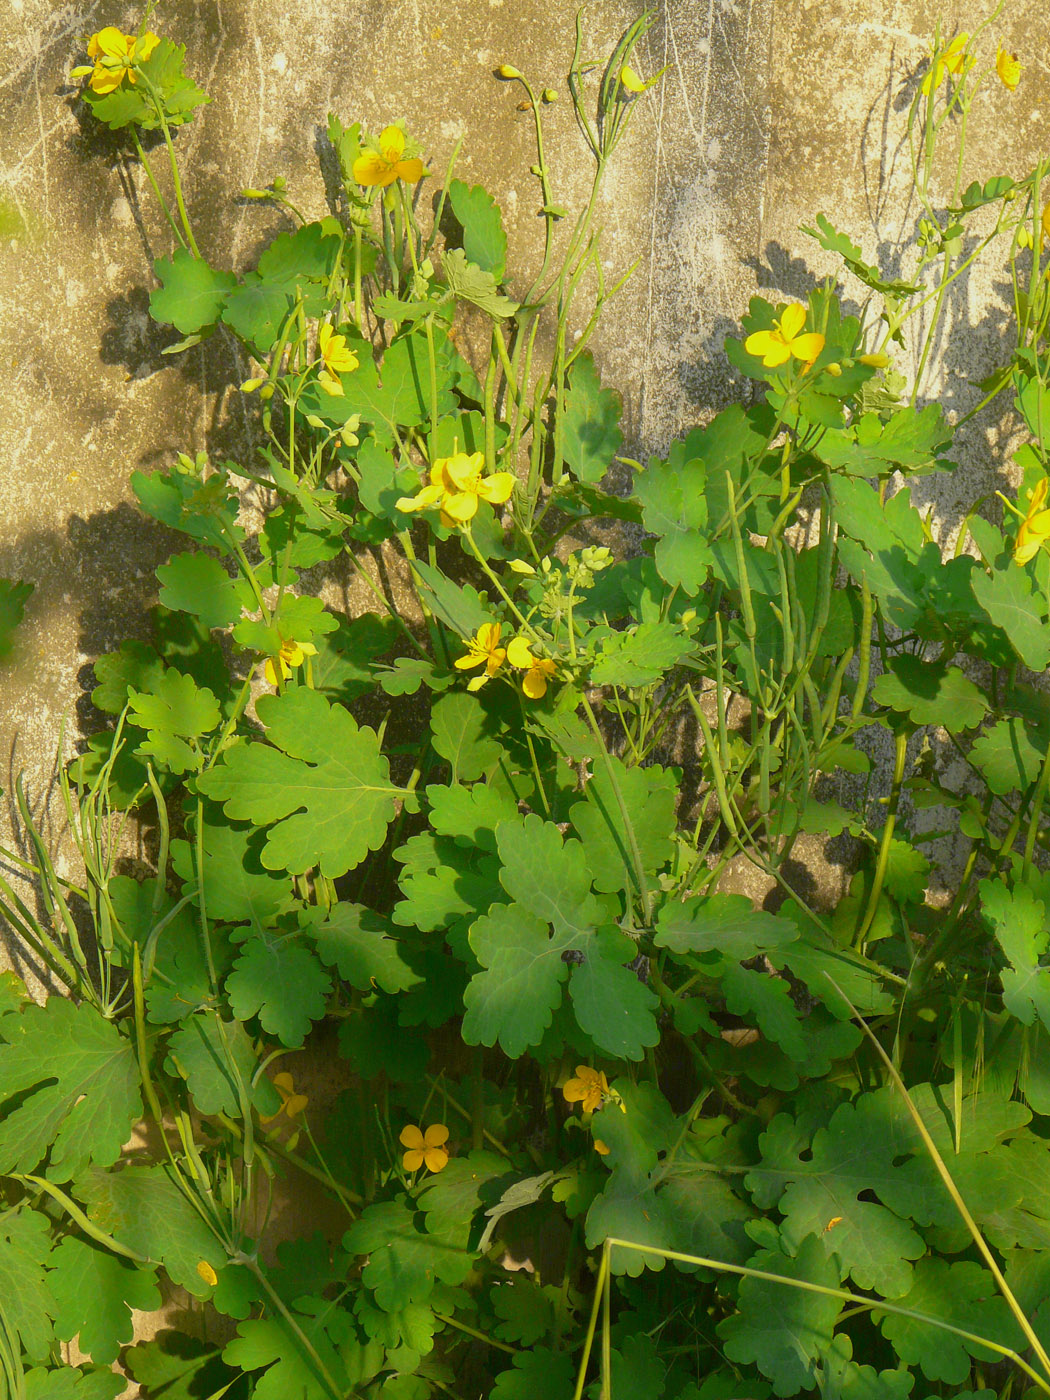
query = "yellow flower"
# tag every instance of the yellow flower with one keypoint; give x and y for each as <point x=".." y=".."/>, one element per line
<point x="207" y="1273"/>
<point x="337" y="360"/>
<point x="456" y="486"/>
<point x="386" y="165"/>
<point x="538" y="669"/>
<point x="777" y="346"/>
<point x="425" y="1148"/>
<point x="1034" y="529"/>
<point x="601" y="1148"/>
<point x="290" y="656"/>
<point x="631" y="82"/>
<point x="291" y="1102"/>
<point x="589" y="1088"/>
<point x="954" y="60"/>
<point x="114" y="55"/>
<point x="483" y="650"/>
<point x="1008" y="68"/>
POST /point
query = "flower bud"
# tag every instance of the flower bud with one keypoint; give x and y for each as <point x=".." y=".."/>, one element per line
<point x="314" y="421"/>
<point x="266" y="392"/>
<point x="250" y="385"/>
<point x="507" y="70"/>
<point x="549" y="95"/>
<point x="520" y="566"/>
<point x="834" y="369"/>
<point x="874" y="361"/>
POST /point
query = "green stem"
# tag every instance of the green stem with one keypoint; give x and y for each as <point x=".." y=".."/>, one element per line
<point x="883" y="861"/>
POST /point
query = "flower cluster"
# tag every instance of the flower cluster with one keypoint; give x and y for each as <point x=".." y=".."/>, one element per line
<point x="113" y="57"/>
<point x="289" y="658"/>
<point x="457" y="485"/>
<point x="483" y="649"/>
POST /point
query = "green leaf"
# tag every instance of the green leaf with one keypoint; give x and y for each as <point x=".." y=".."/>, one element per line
<point x="484" y="241"/>
<point x="461" y="733"/>
<point x="1018" y="920"/>
<point x="360" y="944"/>
<point x="280" y="982"/>
<point x="629" y="1209"/>
<point x="536" y="1372"/>
<point x="909" y="441"/>
<point x="721" y="923"/>
<point x="612" y="1004"/>
<point x="674" y="507"/>
<point x="842" y="1379"/>
<point x="135" y="665"/>
<point x="69" y="1081"/>
<point x="216" y="1058"/>
<point x="175" y="711"/>
<point x="962" y="1294"/>
<point x="929" y="693"/>
<point x="320" y="766"/>
<point x="144" y="1209"/>
<point x="755" y="995"/>
<point x="547" y="876"/>
<point x="590" y="422"/>
<point x="830" y="238"/>
<point x="293" y="1370"/>
<point x="404" y="1264"/>
<point x="175" y="1366"/>
<point x="73" y="1383"/>
<point x="612" y="833"/>
<point x="1007" y="597"/>
<point x="94" y="1295"/>
<point x="468" y="282"/>
<point x="1010" y="755"/>
<point x="641" y="655"/>
<point x="457" y="606"/>
<point x="25" y="1248"/>
<point x="191" y="294"/>
<point x="236" y="886"/>
<point x="13" y="597"/>
<point x="525" y="1311"/>
<point x="824" y="967"/>
<point x="780" y="1329"/>
<point x="451" y="1200"/>
<point x="205" y="511"/>
<point x="198" y="584"/>
<point x="514" y="998"/>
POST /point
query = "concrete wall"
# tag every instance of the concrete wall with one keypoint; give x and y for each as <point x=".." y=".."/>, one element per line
<point x="771" y="111"/>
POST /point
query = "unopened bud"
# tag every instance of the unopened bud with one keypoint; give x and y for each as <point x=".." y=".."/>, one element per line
<point x="314" y="421"/>
<point x="507" y="70"/>
<point x="834" y="369"/>
<point x="266" y="392"/>
<point x="549" y="95"/>
<point x="250" y="385"/>
<point x="875" y="361"/>
<point x="520" y="566"/>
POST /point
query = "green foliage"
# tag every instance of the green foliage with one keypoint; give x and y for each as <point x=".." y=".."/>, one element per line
<point x="465" y="948"/>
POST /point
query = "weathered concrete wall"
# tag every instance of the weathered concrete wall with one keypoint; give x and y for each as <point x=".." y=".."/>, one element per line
<point x="771" y="110"/>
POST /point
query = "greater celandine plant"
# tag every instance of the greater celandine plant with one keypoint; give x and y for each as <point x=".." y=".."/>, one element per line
<point x="608" y="1128"/>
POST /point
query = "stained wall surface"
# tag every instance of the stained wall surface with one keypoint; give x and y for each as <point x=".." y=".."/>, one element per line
<point x="770" y="111"/>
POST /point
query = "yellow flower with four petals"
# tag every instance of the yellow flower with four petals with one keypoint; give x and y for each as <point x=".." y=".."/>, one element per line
<point x="456" y="487"/>
<point x="538" y="669"/>
<point x="786" y="340"/>
<point x="291" y="656"/>
<point x="337" y="360"/>
<point x="589" y="1088"/>
<point x="386" y="165"/>
<point x="291" y="1102"/>
<point x="424" y="1148"/>
<point x="483" y="650"/>
<point x="114" y="55"/>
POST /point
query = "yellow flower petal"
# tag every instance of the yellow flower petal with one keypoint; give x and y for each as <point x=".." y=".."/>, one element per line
<point x="535" y="684"/>
<point x="410" y="170"/>
<point x="519" y="654"/>
<point x="462" y="471"/>
<point x="497" y="488"/>
<point x="769" y="348"/>
<point x="461" y="507"/>
<point x="792" y="320"/>
<point x="807" y="347"/>
<point x="207" y="1273"/>
<point x="392" y="143"/>
<point x="631" y="80"/>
